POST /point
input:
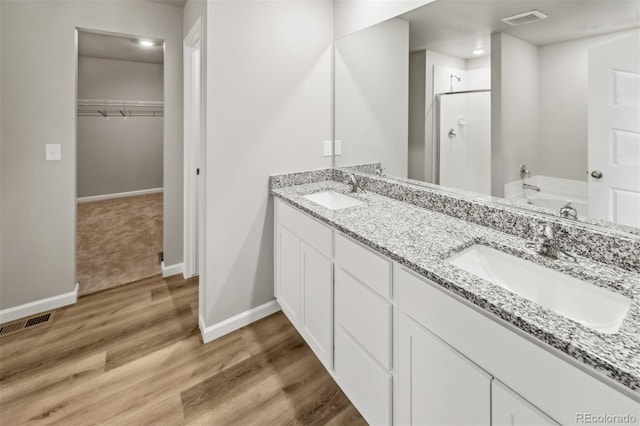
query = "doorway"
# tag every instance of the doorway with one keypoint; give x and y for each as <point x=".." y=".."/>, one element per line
<point x="120" y="110"/>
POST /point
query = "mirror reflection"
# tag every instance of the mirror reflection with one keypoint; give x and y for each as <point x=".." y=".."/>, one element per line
<point x="534" y="102"/>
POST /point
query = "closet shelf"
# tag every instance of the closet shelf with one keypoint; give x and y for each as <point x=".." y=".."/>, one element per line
<point x="119" y="108"/>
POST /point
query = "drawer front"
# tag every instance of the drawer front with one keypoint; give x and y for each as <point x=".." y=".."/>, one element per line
<point x="370" y="268"/>
<point x="366" y="384"/>
<point x="365" y="315"/>
<point x="304" y="226"/>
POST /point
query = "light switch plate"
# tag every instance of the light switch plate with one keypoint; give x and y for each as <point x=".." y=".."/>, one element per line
<point x="328" y="149"/>
<point x="52" y="152"/>
<point x="338" y="147"/>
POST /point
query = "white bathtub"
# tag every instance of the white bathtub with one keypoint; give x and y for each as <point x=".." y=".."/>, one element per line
<point x="554" y="193"/>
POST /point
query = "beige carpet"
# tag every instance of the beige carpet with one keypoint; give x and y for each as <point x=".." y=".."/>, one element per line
<point x="118" y="241"/>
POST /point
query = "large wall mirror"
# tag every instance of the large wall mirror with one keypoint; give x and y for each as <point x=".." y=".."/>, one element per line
<point x="536" y="103"/>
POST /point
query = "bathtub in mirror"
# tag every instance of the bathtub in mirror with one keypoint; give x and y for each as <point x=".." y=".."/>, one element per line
<point x="535" y="115"/>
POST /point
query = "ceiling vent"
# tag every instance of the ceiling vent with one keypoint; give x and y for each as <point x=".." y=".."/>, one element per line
<point x="524" y="18"/>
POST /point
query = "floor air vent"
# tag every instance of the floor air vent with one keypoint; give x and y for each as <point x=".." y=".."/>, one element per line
<point x="25" y="323"/>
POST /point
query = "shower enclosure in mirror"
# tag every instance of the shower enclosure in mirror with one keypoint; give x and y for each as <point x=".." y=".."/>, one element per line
<point x="541" y="111"/>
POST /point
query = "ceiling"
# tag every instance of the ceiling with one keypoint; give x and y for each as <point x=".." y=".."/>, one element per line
<point x="456" y="27"/>
<point x="124" y="48"/>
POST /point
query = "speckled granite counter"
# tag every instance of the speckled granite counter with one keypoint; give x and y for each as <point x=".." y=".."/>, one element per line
<point x="422" y="239"/>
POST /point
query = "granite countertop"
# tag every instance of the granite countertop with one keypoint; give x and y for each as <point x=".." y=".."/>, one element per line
<point x="422" y="239"/>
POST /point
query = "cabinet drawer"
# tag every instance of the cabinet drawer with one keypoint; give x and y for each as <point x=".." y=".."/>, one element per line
<point x="365" y="315"/>
<point x="366" y="384"/>
<point x="370" y="268"/>
<point x="308" y="229"/>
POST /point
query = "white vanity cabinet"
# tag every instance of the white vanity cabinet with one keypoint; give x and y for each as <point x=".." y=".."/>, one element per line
<point x="530" y="384"/>
<point x="304" y="277"/>
<point x="363" y="360"/>
<point x="437" y="385"/>
<point x="407" y="351"/>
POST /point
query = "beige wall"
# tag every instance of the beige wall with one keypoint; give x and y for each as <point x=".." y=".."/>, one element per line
<point x="514" y="101"/>
<point x="268" y="111"/>
<point x="372" y="96"/>
<point x="38" y="105"/>
<point x="417" y="93"/>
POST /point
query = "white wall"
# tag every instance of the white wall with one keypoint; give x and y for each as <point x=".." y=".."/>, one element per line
<point x="354" y="15"/>
<point x="514" y="99"/>
<point x="268" y="110"/>
<point x="371" y="96"/>
<point x="417" y="91"/>
<point x="38" y="107"/>
<point x="564" y="91"/>
<point x="119" y="155"/>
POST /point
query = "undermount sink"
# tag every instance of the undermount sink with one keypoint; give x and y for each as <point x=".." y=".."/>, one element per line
<point x="333" y="200"/>
<point x="592" y="306"/>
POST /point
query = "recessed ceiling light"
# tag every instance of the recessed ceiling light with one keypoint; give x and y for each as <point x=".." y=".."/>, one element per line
<point x="478" y="51"/>
<point x="146" y="43"/>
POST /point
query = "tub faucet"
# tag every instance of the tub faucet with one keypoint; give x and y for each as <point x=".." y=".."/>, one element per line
<point x="524" y="172"/>
<point x="353" y="181"/>
<point x="532" y="187"/>
<point x="545" y="243"/>
<point x="568" y="211"/>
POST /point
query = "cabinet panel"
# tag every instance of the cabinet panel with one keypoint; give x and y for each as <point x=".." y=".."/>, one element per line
<point x="368" y="267"/>
<point x="367" y="385"/>
<point x="318" y="236"/>
<point x="288" y="260"/>
<point x="437" y="385"/>
<point x="510" y="409"/>
<point x="365" y="315"/>
<point x="317" y="290"/>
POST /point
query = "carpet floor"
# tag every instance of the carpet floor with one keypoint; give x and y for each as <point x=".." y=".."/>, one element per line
<point x="118" y="241"/>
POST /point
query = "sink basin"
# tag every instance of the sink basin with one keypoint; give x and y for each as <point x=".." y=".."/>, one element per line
<point x="333" y="200"/>
<point x="592" y="306"/>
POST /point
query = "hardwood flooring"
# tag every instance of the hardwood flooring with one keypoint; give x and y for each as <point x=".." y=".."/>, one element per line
<point x="133" y="355"/>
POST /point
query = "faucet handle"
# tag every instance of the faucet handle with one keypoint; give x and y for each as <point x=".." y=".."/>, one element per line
<point x="542" y="228"/>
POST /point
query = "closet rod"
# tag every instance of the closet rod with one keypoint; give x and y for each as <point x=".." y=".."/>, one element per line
<point x="124" y="108"/>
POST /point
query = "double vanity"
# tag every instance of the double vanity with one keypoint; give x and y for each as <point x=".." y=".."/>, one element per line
<point x="425" y="311"/>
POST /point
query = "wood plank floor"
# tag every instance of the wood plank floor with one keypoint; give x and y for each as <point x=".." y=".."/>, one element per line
<point x="133" y="355"/>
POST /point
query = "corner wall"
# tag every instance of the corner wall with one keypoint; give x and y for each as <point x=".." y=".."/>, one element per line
<point x="269" y="108"/>
<point x="38" y="107"/>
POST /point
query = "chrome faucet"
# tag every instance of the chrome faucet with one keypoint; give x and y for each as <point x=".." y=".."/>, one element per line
<point x="533" y="187"/>
<point x="353" y="181"/>
<point x="524" y="172"/>
<point x="568" y="211"/>
<point x="545" y="243"/>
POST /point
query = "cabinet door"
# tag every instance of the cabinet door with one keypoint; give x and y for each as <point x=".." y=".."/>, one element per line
<point x="317" y="294"/>
<point x="437" y="385"/>
<point x="510" y="409"/>
<point x="287" y="262"/>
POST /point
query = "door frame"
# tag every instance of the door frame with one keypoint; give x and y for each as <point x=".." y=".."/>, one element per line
<point x="193" y="154"/>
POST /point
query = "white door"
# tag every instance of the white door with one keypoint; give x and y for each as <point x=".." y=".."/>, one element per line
<point x="437" y="385"/>
<point x="510" y="409"/>
<point x="614" y="131"/>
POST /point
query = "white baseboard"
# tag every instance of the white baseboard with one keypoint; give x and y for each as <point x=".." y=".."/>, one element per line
<point x="119" y="195"/>
<point x="42" y="305"/>
<point x="238" y="321"/>
<point x="170" y="270"/>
